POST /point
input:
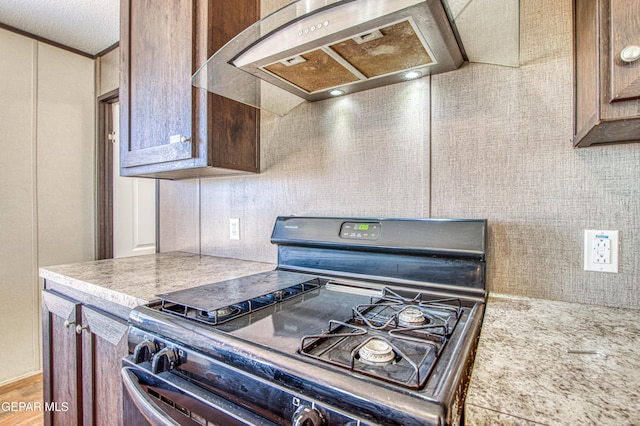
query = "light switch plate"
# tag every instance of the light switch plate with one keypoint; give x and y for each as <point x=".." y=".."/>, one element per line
<point x="234" y="228"/>
<point x="601" y="251"/>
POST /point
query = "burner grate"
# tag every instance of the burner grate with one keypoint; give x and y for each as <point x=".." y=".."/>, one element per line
<point x="414" y="329"/>
<point x="341" y="345"/>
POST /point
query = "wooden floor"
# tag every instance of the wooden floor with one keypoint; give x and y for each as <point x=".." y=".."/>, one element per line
<point x="27" y="391"/>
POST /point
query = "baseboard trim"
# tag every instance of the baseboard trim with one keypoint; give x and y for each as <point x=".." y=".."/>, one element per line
<point x="33" y="375"/>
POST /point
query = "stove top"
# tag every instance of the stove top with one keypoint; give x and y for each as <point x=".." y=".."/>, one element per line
<point x="366" y="328"/>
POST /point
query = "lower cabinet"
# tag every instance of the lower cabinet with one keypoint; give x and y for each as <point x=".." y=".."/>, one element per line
<point x="83" y="349"/>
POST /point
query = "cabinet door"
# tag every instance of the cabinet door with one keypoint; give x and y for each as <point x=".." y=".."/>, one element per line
<point x="155" y="87"/>
<point x="625" y="32"/>
<point x="104" y="344"/>
<point x="607" y="90"/>
<point x="62" y="378"/>
<point x="168" y="128"/>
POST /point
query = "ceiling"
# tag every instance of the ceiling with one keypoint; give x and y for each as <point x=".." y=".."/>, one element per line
<point x="89" y="26"/>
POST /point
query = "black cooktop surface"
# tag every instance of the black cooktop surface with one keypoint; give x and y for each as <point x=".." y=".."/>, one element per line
<point x="282" y="326"/>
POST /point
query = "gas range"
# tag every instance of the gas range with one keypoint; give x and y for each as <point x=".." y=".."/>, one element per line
<point x="364" y="322"/>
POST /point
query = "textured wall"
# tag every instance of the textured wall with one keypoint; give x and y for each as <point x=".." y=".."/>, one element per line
<point x="512" y="162"/>
<point x="362" y="155"/>
<point x="483" y="142"/>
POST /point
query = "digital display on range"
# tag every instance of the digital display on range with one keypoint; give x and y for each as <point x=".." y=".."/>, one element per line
<point x="360" y="230"/>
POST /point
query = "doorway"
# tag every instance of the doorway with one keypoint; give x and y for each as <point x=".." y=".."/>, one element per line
<point x="126" y="206"/>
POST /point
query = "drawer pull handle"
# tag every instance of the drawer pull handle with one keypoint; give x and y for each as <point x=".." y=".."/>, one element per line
<point x="630" y="54"/>
<point x="179" y="139"/>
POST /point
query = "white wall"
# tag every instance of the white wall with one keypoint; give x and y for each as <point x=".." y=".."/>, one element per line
<point x="108" y="72"/>
<point x="46" y="184"/>
<point x="19" y="333"/>
<point x="65" y="157"/>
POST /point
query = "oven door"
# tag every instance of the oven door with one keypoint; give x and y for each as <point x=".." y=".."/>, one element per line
<point x="167" y="400"/>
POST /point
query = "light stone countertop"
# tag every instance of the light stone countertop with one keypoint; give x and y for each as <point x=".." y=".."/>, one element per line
<point x="134" y="281"/>
<point x="524" y="373"/>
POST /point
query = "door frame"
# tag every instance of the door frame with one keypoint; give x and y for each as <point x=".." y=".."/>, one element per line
<point x="104" y="167"/>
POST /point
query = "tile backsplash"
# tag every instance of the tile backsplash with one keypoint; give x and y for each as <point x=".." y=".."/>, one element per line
<point x="481" y="142"/>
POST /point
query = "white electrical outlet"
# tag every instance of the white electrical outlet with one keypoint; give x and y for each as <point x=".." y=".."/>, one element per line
<point x="234" y="228"/>
<point x="601" y="251"/>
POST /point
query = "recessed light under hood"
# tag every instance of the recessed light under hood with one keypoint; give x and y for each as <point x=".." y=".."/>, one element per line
<point x="316" y="49"/>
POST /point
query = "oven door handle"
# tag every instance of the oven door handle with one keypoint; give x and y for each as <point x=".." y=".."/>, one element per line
<point x="148" y="409"/>
<point x="227" y="412"/>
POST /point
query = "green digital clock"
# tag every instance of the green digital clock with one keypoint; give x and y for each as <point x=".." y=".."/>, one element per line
<point x="360" y="230"/>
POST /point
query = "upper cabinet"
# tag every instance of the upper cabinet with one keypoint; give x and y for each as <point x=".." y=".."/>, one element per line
<point x="168" y="128"/>
<point x="607" y="64"/>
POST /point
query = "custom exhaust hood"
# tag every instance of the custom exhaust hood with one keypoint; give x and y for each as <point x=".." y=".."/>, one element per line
<point x="316" y="49"/>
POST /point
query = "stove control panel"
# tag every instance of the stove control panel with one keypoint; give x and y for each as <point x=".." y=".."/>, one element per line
<point x="360" y="230"/>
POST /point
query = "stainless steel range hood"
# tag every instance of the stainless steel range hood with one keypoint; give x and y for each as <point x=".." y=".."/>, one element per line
<point x="316" y="49"/>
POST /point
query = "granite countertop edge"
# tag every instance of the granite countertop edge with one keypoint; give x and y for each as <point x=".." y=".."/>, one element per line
<point x="135" y="281"/>
<point x="103" y="292"/>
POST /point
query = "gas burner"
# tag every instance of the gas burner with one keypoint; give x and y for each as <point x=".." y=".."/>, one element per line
<point x="411" y="317"/>
<point x="221" y="313"/>
<point x="376" y="352"/>
<point x="395" y="358"/>
<point x="278" y="294"/>
<point x="397" y="338"/>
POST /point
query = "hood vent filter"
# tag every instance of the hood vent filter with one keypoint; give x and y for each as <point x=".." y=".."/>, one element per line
<point x="311" y="48"/>
<point x="388" y="50"/>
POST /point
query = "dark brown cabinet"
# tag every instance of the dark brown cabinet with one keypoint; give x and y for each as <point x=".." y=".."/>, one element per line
<point x="168" y="128"/>
<point x="607" y="88"/>
<point x="83" y="349"/>
<point x="62" y="378"/>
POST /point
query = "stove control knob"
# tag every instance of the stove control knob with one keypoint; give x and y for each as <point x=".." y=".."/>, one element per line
<point x="307" y="416"/>
<point x="164" y="360"/>
<point x="144" y="351"/>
